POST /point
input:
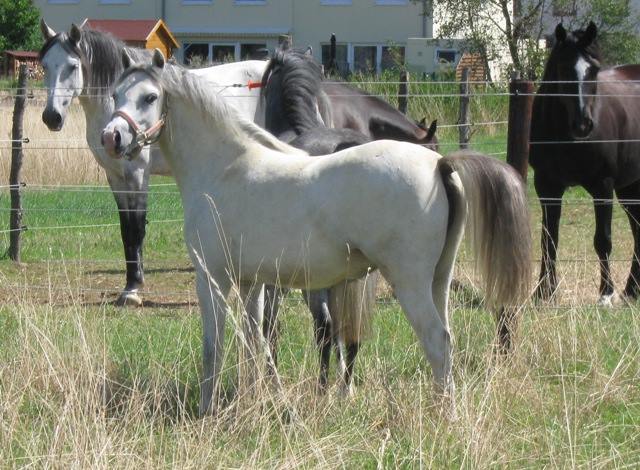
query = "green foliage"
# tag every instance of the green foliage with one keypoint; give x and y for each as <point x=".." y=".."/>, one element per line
<point x="19" y="25"/>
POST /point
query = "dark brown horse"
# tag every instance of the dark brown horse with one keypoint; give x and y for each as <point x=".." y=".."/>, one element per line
<point x="339" y="105"/>
<point x="585" y="132"/>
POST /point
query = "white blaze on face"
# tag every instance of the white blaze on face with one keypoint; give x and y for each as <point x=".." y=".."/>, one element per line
<point x="581" y="71"/>
<point x="63" y="75"/>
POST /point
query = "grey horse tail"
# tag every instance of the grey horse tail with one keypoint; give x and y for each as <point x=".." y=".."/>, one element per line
<point x="352" y="304"/>
<point x="498" y="223"/>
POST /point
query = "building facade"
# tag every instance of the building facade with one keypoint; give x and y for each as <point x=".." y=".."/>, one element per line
<point x="371" y="34"/>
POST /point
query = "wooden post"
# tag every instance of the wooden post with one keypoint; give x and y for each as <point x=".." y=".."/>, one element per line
<point x="403" y="91"/>
<point x="520" y="106"/>
<point x="464" y="129"/>
<point x="15" y="219"/>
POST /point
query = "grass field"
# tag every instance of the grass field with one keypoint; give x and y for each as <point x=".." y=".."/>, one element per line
<point x="85" y="384"/>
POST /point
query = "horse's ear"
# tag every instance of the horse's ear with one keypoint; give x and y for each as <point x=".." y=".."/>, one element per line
<point x="308" y="51"/>
<point x="75" y="33"/>
<point x="127" y="61"/>
<point x="432" y="129"/>
<point x="47" y="32"/>
<point x="84" y="23"/>
<point x="423" y="123"/>
<point x="590" y="34"/>
<point x="561" y="33"/>
<point x="158" y="58"/>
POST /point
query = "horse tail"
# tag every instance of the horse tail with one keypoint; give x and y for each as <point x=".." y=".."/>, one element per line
<point x="498" y="222"/>
<point x="351" y="304"/>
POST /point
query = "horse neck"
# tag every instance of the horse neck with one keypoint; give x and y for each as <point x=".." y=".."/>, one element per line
<point x="382" y="120"/>
<point x="196" y="149"/>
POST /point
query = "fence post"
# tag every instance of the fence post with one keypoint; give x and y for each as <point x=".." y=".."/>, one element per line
<point x="403" y="91"/>
<point x="520" y="106"/>
<point x="333" y="66"/>
<point x="464" y="129"/>
<point x="15" y="218"/>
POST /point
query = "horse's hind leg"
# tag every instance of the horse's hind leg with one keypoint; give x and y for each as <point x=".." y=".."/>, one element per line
<point x="131" y="198"/>
<point x="271" y="323"/>
<point x="416" y="298"/>
<point x="318" y="303"/>
<point x="628" y="198"/>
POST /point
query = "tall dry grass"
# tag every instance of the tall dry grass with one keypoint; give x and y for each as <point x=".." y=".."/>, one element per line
<point x="56" y="158"/>
<point x="93" y="387"/>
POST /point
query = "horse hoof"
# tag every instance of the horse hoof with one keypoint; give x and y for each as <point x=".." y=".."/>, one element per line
<point x="129" y="299"/>
<point x="607" y="300"/>
<point x="346" y="391"/>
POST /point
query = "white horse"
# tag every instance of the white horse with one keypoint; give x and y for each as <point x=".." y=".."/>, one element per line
<point x="84" y="64"/>
<point x="259" y="211"/>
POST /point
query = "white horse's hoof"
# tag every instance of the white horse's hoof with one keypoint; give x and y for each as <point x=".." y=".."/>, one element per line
<point x="129" y="299"/>
<point x="607" y="301"/>
<point x="346" y="391"/>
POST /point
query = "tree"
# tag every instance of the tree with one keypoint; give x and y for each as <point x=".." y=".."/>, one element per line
<point x="19" y="25"/>
<point x="515" y="30"/>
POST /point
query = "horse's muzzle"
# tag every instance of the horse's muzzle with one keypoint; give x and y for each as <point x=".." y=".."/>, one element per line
<point x="112" y="143"/>
<point x="53" y="119"/>
<point x="582" y="128"/>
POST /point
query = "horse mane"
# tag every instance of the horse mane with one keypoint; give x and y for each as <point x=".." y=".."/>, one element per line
<point x="290" y="85"/>
<point x="176" y="81"/>
<point x="100" y="54"/>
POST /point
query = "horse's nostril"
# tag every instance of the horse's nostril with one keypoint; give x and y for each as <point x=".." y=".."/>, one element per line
<point x="116" y="138"/>
<point x="57" y="118"/>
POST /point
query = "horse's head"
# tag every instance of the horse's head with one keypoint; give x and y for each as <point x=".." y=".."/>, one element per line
<point x="429" y="140"/>
<point x="574" y="64"/>
<point x="63" y="72"/>
<point x="139" y="108"/>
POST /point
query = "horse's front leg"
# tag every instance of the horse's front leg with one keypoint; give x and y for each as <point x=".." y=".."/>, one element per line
<point x="212" y="292"/>
<point x="550" y="194"/>
<point x="130" y="194"/>
<point x="252" y="296"/>
<point x="603" y="206"/>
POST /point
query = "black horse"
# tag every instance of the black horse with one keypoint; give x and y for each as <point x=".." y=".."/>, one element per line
<point x="585" y="131"/>
<point x="337" y="105"/>
<point x="291" y="114"/>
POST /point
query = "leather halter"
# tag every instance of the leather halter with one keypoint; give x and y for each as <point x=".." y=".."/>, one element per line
<point x="141" y="137"/>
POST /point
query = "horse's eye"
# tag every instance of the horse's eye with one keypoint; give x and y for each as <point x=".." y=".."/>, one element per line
<point x="151" y="98"/>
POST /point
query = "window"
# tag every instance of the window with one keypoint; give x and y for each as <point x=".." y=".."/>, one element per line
<point x="335" y="2"/>
<point x="197" y="2"/>
<point x="364" y="58"/>
<point x="196" y="54"/>
<point x="392" y="57"/>
<point x="115" y="2"/>
<point x="342" y="60"/>
<point x="445" y="56"/>
<point x="223" y="53"/>
<point x="53" y="2"/>
<point x="564" y="7"/>
<point x="253" y="51"/>
<point x="392" y="2"/>
<point x="250" y="2"/>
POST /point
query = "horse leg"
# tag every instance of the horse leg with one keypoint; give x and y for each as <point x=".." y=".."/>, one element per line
<point x="252" y="296"/>
<point x="131" y="198"/>
<point x="271" y="324"/>
<point x="632" y="288"/>
<point x="550" y="195"/>
<point x="318" y="303"/>
<point x="213" y="309"/>
<point x="603" y="207"/>
<point x="415" y="296"/>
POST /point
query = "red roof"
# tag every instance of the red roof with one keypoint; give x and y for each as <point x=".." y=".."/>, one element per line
<point x="23" y="54"/>
<point x="127" y="30"/>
